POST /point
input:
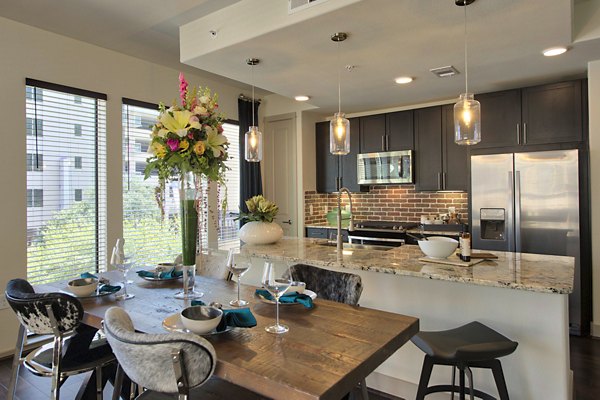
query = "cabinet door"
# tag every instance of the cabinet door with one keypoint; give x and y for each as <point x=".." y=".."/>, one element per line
<point x="456" y="158"/>
<point x="552" y="113"/>
<point x="349" y="161"/>
<point x="372" y="133"/>
<point x="500" y="119"/>
<point x="399" y="129"/>
<point x="327" y="163"/>
<point x="428" y="151"/>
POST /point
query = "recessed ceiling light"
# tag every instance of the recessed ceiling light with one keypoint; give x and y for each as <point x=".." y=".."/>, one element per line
<point x="554" y="51"/>
<point x="301" y="98"/>
<point x="404" y="79"/>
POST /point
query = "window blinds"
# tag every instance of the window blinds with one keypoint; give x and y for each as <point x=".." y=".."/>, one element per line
<point x="66" y="180"/>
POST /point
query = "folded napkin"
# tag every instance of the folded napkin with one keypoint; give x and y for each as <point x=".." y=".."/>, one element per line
<point x="238" y="317"/>
<point x="288" y="298"/>
<point x="102" y="288"/>
<point x="161" y="275"/>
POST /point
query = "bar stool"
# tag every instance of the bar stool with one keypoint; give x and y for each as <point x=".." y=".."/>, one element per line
<point x="473" y="345"/>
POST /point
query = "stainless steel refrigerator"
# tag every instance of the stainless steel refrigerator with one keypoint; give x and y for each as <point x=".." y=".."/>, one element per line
<point x="529" y="203"/>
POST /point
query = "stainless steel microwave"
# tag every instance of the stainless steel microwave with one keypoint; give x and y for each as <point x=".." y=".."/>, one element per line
<point x="385" y="168"/>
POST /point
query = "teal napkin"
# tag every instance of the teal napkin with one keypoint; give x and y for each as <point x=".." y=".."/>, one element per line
<point x="288" y="298"/>
<point x="103" y="288"/>
<point x="237" y="317"/>
<point x="161" y="275"/>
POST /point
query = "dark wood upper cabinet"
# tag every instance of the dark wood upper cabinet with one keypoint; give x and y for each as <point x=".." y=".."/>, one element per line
<point x="399" y="130"/>
<point x="552" y="113"/>
<point x="349" y="168"/>
<point x="500" y="119"/>
<point x="327" y="163"/>
<point x="372" y="133"/>
<point x="428" y="149"/>
<point x="455" y="174"/>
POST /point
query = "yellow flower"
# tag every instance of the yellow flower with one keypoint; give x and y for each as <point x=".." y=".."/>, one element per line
<point x="178" y="123"/>
<point x="199" y="148"/>
<point x="159" y="150"/>
<point x="184" y="144"/>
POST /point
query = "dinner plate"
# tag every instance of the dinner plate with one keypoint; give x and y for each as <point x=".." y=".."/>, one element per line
<point x="173" y="324"/>
<point x="307" y="292"/>
<point x="152" y="279"/>
<point x="97" y="294"/>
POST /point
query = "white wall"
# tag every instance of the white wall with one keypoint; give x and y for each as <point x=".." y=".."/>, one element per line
<point x="29" y="52"/>
<point x="594" y="106"/>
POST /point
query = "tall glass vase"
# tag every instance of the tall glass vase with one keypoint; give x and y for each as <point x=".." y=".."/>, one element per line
<point x="189" y="235"/>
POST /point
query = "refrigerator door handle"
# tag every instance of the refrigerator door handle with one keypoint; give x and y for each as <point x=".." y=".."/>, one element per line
<point x="510" y="228"/>
<point x="518" y="211"/>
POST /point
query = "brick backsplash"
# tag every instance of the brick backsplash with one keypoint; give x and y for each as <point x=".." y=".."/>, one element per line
<point x="386" y="203"/>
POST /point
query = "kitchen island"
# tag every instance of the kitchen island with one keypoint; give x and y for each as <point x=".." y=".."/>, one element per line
<point x="523" y="296"/>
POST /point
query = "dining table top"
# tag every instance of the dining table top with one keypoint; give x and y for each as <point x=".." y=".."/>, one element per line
<point x="326" y="352"/>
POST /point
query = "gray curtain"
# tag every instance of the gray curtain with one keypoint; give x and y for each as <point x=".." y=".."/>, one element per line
<point x="250" y="177"/>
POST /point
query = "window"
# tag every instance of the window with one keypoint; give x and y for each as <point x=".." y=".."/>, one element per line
<point x="35" y="162"/>
<point x="78" y="129"/>
<point x="32" y="93"/>
<point x="66" y="233"/>
<point x="228" y="226"/>
<point x="77" y="99"/>
<point x="34" y="127"/>
<point x="35" y="197"/>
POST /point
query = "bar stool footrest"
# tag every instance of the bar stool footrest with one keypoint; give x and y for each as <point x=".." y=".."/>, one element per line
<point x="456" y="389"/>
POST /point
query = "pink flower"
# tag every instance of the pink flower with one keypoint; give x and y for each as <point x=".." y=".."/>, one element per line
<point x="220" y="128"/>
<point x="183" y="85"/>
<point x="173" y="144"/>
<point x="191" y="135"/>
<point x="193" y="118"/>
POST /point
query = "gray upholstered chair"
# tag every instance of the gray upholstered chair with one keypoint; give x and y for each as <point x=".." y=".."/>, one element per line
<point x="337" y="286"/>
<point x="170" y="365"/>
<point x="342" y="287"/>
<point x="59" y="315"/>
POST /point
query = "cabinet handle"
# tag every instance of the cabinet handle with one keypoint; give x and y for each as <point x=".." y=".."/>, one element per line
<point x="383" y="143"/>
<point x="439" y="181"/>
<point x="387" y="142"/>
<point x="524" y="132"/>
<point x="518" y="133"/>
<point x="444" y="180"/>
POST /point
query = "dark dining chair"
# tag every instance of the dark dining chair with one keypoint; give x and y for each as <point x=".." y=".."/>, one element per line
<point x="59" y="315"/>
<point x="170" y="365"/>
<point x="342" y="287"/>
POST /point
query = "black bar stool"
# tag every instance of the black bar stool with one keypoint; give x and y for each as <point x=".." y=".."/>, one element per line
<point x="473" y="345"/>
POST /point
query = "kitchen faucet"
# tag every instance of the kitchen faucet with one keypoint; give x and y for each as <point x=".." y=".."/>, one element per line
<point x="339" y="217"/>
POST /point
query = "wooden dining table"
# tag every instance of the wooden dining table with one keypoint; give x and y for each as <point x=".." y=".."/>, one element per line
<point x="326" y="352"/>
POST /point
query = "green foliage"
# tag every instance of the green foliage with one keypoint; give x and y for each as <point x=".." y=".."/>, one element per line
<point x="259" y="209"/>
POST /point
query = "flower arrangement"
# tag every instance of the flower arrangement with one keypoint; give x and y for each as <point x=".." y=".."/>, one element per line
<point x="188" y="137"/>
<point x="259" y="209"/>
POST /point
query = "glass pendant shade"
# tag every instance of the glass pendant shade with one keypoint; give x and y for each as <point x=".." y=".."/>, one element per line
<point x="339" y="135"/>
<point x="253" y="145"/>
<point x="467" y="120"/>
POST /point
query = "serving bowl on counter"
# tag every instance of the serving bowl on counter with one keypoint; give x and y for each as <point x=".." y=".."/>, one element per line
<point x="201" y="319"/>
<point x="438" y="246"/>
<point x="83" y="286"/>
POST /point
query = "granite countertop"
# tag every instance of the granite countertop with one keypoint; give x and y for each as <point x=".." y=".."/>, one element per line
<point x="532" y="272"/>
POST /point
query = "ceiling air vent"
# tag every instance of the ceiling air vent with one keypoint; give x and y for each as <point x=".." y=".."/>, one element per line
<point x="445" y="72"/>
<point x="299" y="5"/>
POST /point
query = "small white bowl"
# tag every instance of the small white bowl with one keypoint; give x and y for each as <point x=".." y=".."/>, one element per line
<point x="83" y="286"/>
<point x="297" y="287"/>
<point x="438" y="246"/>
<point x="201" y="319"/>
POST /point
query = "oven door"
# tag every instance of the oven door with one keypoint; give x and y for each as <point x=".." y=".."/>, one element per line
<point x="393" y="167"/>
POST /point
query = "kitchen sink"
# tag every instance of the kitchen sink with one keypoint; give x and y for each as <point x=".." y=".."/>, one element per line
<point x="350" y="246"/>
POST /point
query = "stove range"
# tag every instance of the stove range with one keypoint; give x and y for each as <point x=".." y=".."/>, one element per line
<point x="384" y="226"/>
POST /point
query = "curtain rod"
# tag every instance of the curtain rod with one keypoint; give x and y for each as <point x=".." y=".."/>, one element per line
<point x="246" y="98"/>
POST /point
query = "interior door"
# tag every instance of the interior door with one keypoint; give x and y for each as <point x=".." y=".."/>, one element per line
<point x="280" y="170"/>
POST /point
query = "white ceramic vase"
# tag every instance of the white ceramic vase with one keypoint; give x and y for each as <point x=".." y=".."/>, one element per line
<point x="257" y="232"/>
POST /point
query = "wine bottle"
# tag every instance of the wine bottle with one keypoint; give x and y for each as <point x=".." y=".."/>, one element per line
<point x="465" y="246"/>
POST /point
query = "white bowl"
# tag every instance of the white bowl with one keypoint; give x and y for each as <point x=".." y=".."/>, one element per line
<point x="297" y="287"/>
<point x="438" y="246"/>
<point x="201" y="319"/>
<point x="83" y="286"/>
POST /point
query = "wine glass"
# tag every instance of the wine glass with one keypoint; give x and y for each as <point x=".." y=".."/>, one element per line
<point x="120" y="246"/>
<point x="277" y="285"/>
<point x="238" y="266"/>
<point x="123" y="263"/>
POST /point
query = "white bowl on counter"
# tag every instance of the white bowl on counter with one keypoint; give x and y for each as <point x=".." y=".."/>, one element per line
<point x="438" y="246"/>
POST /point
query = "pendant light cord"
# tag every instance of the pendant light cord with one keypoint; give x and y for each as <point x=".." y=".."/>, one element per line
<point x="466" y="53"/>
<point x="252" y="73"/>
<point x="339" y="84"/>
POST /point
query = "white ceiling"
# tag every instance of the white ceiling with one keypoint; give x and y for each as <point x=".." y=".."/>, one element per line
<point x="387" y="38"/>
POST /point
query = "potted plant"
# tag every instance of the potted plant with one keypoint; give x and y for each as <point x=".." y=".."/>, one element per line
<point x="260" y="228"/>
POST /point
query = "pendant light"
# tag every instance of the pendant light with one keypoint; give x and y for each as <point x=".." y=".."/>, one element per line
<point x="253" y="138"/>
<point x="467" y="111"/>
<point x="339" y="127"/>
